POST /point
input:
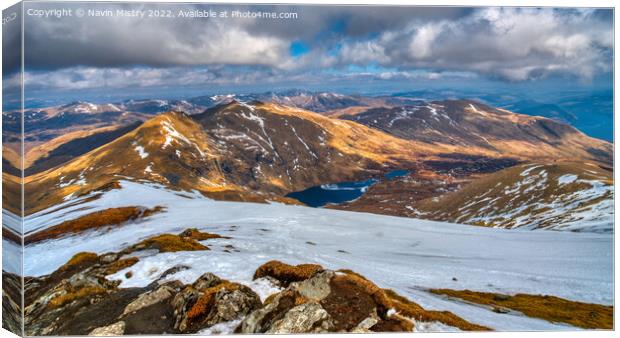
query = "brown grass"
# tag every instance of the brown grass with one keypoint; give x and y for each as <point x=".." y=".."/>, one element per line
<point x="412" y="310"/>
<point x="99" y="219"/>
<point x="169" y="243"/>
<point x="103" y="188"/>
<point x="79" y="260"/>
<point x="388" y="299"/>
<point x="550" y="308"/>
<point x="120" y="265"/>
<point x="78" y="294"/>
<point x="193" y="233"/>
<point x="285" y="273"/>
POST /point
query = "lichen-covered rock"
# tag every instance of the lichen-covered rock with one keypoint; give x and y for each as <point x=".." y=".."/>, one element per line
<point x="275" y="308"/>
<point x="78" y="299"/>
<point x="304" y="318"/>
<point x="210" y="300"/>
<point x="327" y="301"/>
<point x="160" y="294"/>
<point x="116" y="329"/>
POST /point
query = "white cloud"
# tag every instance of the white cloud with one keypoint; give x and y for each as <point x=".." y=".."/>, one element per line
<point x="512" y="43"/>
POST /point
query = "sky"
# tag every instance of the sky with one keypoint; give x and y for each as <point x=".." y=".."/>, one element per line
<point x="342" y="48"/>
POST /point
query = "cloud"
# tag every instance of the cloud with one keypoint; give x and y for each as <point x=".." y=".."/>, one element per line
<point x="120" y="41"/>
<point x="511" y="43"/>
<point x="515" y="44"/>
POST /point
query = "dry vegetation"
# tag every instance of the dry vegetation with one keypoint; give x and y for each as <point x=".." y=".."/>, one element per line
<point x="205" y="302"/>
<point x="120" y="265"/>
<point x="169" y="243"/>
<point x="410" y="309"/>
<point x="285" y="273"/>
<point x="193" y="233"/>
<point x="550" y="308"/>
<point x="79" y="260"/>
<point x="75" y="295"/>
<point x="96" y="220"/>
<point x="404" y="307"/>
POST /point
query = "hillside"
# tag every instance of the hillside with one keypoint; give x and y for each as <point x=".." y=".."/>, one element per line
<point x="262" y="151"/>
<point x="406" y="255"/>
<point x="170" y="149"/>
<point x="259" y="151"/>
<point x="557" y="196"/>
<point x="473" y="124"/>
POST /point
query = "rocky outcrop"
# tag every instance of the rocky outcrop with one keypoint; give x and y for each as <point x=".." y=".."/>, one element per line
<point x="78" y="299"/>
<point x="11" y="302"/>
<point x="327" y="301"/>
<point x="211" y="300"/>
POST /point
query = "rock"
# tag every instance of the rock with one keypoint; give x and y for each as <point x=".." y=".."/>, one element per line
<point x="327" y="301"/>
<point x="275" y="307"/>
<point x="316" y="288"/>
<point x="108" y="258"/>
<point x="194" y="233"/>
<point x="211" y="300"/>
<point x="160" y="294"/>
<point x="500" y="309"/>
<point x="365" y="325"/>
<point x="304" y="318"/>
<point x="230" y="305"/>
<point x="206" y="281"/>
<point x="116" y="329"/>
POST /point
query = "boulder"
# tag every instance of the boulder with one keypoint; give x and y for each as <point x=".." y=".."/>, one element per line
<point x="305" y="318"/>
<point x="327" y="301"/>
<point x="116" y="329"/>
<point x="211" y="300"/>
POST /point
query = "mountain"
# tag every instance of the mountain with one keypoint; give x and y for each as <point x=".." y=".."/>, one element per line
<point x="282" y="148"/>
<point x="56" y="134"/>
<point x="468" y="123"/>
<point x="328" y="103"/>
<point x="554" y="196"/>
<point x="559" y="196"/>
<point x="168" y="148"/>
<point x="535" y="108"/>
<point x="155" y="106"/>
<point x="73" y="147"/>
<point x="48" y="128"/>
<point x="261" y="151"/>
<point x="234" y="151"/>
<point x="408" y="256"/>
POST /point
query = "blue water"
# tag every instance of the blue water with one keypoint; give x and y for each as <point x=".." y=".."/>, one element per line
<point x="396" y="173"/>
<point x="338" y="193"/>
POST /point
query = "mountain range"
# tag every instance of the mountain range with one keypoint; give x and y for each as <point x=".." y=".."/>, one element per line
<point x="263" y="150"/>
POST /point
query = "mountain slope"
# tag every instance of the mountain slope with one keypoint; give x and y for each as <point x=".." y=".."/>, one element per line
<point x="170" y="148"/>
<point x="236" y="151"/>
<point x="560" y="196"/>
<point x="289" y="149"/>
<point x="406" y="255"/>
<point x="470" y="123"/>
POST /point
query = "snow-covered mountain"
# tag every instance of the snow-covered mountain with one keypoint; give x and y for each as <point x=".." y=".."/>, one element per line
<point x="406" y="255"/>
<point x="471" y="123"/>
<point x="559" y="196"/>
